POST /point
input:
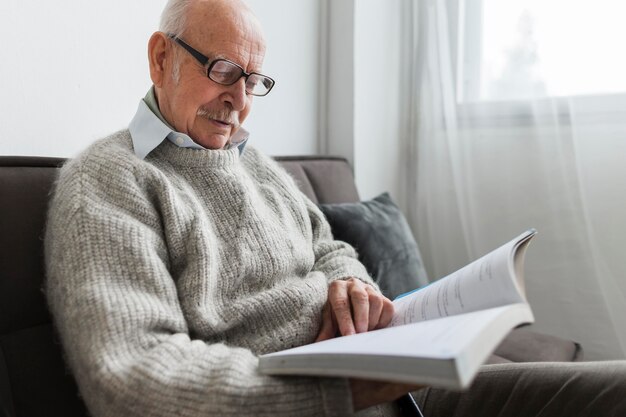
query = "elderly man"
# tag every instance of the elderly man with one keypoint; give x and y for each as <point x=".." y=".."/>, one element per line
<point x="176" y="255"/>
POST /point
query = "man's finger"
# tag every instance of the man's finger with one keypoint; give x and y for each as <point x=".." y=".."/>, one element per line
<point x="376" y="307"/>
<point x="338" y="298"/>
<point x="328" y="329"/>
<point x="386" y="315"/>
<point x="359" y="300"/>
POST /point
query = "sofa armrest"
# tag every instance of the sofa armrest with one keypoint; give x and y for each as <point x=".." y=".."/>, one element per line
<point x="524" y="345"/>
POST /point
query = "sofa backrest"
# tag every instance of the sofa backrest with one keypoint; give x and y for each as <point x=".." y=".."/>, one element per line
<point x="33" y="378"/>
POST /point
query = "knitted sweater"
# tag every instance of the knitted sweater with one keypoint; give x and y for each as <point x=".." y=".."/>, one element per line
<point x="168" y="276"/>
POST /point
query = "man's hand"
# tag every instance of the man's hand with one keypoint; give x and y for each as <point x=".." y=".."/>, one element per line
<point x="356" y="307"/>
<point x="353" y="307"/>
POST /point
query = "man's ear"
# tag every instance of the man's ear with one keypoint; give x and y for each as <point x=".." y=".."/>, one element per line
<point x="158" y="52"/>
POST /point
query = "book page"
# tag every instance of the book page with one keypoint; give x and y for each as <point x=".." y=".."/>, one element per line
<point x="440" y="338"/>
<point x="490" y="281"/>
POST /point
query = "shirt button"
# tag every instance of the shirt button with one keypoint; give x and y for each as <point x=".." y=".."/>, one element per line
<point x="180" y="140"/>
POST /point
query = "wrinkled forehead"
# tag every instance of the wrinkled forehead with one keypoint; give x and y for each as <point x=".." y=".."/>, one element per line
<point x="227" y="32"/>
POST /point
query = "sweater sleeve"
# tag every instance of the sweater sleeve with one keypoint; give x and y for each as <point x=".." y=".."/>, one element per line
<point x="117" y="310"/>
<point x="336" y="259"/>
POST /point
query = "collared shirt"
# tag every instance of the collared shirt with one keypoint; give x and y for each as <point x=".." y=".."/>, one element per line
<point x="148" y="129"/>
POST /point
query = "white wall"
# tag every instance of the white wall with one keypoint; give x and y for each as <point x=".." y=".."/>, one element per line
<point x="378" y="81"/>
<point x="286" y="121"/>
<point x="338" y="96"/>
<point x="74" y="71"/>
<point x="364" y="86"/>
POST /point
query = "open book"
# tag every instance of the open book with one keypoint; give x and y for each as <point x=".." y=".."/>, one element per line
<point x="440" y="334"/>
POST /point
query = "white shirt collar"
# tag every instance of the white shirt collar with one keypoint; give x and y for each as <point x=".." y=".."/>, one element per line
<point x="147" y="131"/>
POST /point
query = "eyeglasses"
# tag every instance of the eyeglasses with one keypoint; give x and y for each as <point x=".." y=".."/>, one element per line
<point x="226" y="72"/>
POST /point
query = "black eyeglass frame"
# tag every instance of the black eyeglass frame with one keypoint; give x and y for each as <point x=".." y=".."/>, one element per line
<point x="204" y="60"/>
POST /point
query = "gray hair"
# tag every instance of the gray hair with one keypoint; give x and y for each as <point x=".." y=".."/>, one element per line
<point x="173" y="22"/>
<point x="174" y="17"/>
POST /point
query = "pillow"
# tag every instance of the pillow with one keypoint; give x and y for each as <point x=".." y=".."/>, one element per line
<point x="381" y="235"/>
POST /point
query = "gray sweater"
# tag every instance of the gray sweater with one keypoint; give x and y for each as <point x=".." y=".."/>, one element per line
<point x="167" y="277"/>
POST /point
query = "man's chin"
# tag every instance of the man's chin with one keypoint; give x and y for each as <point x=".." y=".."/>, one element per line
<point x="214" y="142"/>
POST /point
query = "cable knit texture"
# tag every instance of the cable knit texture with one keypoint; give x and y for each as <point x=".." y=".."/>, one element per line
<point x="168" y="276"/>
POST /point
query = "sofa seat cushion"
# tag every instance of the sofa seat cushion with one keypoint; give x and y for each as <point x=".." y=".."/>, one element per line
<point x="525" y="345"/>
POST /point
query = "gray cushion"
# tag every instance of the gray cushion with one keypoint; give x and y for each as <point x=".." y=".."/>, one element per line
<point x="383" y="239"/>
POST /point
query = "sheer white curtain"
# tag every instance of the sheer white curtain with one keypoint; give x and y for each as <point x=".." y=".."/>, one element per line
<point x="491" y="160"/>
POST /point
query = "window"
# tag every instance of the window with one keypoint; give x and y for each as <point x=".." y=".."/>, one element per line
<point x="526" y="49"/>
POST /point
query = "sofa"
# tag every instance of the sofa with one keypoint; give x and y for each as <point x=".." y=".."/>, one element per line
<point x="34" y="380"/>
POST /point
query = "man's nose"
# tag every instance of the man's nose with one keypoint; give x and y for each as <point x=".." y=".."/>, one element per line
<point x="237" y="96"/>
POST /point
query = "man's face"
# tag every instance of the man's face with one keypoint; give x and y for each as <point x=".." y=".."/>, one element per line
<point x="210" y="113"/>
